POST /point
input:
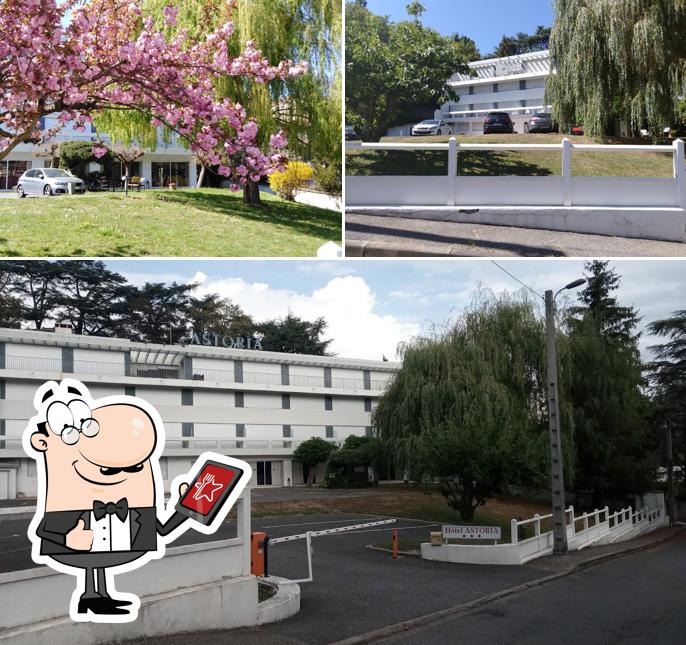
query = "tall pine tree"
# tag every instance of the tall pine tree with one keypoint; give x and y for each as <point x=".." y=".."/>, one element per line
<point x="606" y="385"/>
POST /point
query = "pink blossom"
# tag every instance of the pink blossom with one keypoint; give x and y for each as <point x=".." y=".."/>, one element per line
<point x="100" y="55"/>
<point x="170" y="15"/>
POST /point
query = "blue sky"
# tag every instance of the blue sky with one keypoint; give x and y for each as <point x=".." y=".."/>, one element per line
<point x="485" y="22"/>
<point x="372" y="305"/>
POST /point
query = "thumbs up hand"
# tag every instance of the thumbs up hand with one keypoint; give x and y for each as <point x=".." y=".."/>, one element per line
<point x="79" y="538"/>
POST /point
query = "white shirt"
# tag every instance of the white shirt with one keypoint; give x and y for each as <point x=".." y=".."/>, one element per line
<point x="110" y="533"/>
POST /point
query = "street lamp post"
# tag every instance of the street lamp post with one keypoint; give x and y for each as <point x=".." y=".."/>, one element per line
<point x="557" y="483"/>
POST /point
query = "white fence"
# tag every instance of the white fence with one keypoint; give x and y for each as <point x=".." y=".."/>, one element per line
<point x="641" y="207"/>
<point x="598" y="527"/>
<point x="564" y="190"/>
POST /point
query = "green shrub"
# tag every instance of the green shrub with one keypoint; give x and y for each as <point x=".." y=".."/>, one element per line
<point x="329" y="177"/>
<point x="293" y="178"/>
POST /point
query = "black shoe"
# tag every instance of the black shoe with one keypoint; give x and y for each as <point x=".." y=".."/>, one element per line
<point x="100" y="606"/>
<point x="116" y="601"/>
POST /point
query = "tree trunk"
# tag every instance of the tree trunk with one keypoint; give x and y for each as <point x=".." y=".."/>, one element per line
<point x="201" y="177"/>
<point x="251" y="194"/>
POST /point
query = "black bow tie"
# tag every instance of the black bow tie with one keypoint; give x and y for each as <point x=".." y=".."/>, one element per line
<point x="121" y="509"/>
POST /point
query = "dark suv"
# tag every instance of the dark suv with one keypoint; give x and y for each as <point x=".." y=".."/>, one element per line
<point x="542" y="122"/>
<point x="498" y="123"/>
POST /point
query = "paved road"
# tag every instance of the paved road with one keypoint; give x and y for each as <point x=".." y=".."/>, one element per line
<point x="636" y="600"/>
<point x="356" y="589"/>
<point x="371" y="235"/>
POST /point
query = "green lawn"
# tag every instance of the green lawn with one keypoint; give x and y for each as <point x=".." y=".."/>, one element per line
<point x="486" y="163"/>
<point x="192" y="222"/>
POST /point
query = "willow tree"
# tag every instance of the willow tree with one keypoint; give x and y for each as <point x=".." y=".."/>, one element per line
<point x="618" y="59"/>
<point x="307" y="108"/>
<point x="468" y="406"/>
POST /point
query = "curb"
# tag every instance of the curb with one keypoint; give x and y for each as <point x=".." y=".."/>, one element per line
<point x="413" y="623"/>
<point x="367" y="248"/>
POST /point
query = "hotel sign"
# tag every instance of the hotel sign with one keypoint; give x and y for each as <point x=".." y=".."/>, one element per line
<point x="471" y="532"/>
<point x="232" y="342"/>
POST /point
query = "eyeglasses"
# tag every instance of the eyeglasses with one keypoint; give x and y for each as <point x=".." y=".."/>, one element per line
<point x="72" y="420"/>
<point x="89" y="427"/>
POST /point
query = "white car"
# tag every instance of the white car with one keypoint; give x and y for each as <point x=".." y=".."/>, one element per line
<point x="430" y="127"/>
<point x="49" y="181"/>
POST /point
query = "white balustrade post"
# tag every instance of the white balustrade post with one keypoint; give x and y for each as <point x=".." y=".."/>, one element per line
<point x="585" y="521"/>
<point x="514" y="536"/>
<point x="680" y="171"/>
<point x="566" y="172"/>
<point x="243" y="529"/>
<point x="537" y="525"/>
<point x="452" y="171"/>
<point x="570" y="510"/>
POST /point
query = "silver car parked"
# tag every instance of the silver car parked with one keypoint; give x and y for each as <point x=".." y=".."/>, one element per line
<point x="48" y="181"/>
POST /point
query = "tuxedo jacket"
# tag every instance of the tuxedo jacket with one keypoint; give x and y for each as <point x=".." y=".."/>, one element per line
<point x="55" y="525"/>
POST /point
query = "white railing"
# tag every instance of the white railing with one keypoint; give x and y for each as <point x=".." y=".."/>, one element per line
<point x="138" y="370"/>
<point x="511" y="191"/>
<point x="598" y="527"/>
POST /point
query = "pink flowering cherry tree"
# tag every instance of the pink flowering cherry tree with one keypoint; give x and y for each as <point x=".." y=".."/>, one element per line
<point x="76" y="57"/>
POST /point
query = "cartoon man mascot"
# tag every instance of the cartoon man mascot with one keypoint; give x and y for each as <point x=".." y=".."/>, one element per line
<point x="100" y="508"/>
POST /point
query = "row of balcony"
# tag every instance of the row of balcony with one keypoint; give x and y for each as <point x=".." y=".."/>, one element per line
<point x="34" y="363"/>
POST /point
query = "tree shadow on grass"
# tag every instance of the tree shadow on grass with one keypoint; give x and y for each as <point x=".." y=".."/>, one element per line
<point x="430" y="163"/>
<point x="307" y="220"/>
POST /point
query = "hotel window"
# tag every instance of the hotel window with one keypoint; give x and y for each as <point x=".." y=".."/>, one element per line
<point x="471" y="90"/>
<point x="368" y="431"/>
<point x="328" y="402"/>
<point x="130" y="390"/>
<point x="329" y="432"/>
<point x="169" y="172"/>
<point x="285" y="401"/>
<point x="68" y="359"/>
<point x="187" y="430"/>
<point x="522" y="85"/>
<point x="495" y="106"/>
<point x="367" y="404"/>
<point x="2" y="389"/>
<point x="285" y="375"/>
<point x="30" y="468"/>
<point x="495" y="88"/>
<point x="523" y="103"/>
<point x="10" y="171"/>
<point x="238" y="371"/>
<point x="2" y="356"/>
<point x="287" y="431"/>
<point x="367" y="379"/>
<point x="471" y="107"/>
<point x="186" y="397"/>
<point x="240" y="429"/>
<point x="2" y="433"/>
<point x="327" y="377"/>
<point x="239" y="399"/>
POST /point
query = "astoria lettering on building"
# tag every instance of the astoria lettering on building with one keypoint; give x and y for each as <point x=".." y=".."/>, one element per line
<point x="217" y="340"/>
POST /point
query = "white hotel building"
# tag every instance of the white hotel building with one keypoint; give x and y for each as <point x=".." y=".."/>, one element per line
<point x="515" y="84"/>
<point x="251" y="404"/>
<point x="170" y="161"/>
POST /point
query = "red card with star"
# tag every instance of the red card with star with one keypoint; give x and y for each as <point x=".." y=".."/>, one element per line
<point x="210" y="488"/>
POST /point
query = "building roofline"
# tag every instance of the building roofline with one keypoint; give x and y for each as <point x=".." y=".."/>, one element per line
<point x="56" y="339"/>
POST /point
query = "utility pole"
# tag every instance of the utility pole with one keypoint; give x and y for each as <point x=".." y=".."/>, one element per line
<point x="557" y="479"/>
<point x="557" y="482"/>
<point x="670" y="475"/>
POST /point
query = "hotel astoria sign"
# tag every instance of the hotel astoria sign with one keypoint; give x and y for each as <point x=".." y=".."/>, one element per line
<point x="218" y="340"/>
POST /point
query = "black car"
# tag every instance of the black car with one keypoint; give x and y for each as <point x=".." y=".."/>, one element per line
<point x="542" y="122"/>
<point x="498" y="123"/>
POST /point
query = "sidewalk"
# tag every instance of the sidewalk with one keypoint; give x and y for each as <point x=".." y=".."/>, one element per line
<point x="379" y="236"/>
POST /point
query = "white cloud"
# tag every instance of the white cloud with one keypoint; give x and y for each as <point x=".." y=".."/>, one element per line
<point x="347" y="303"/>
